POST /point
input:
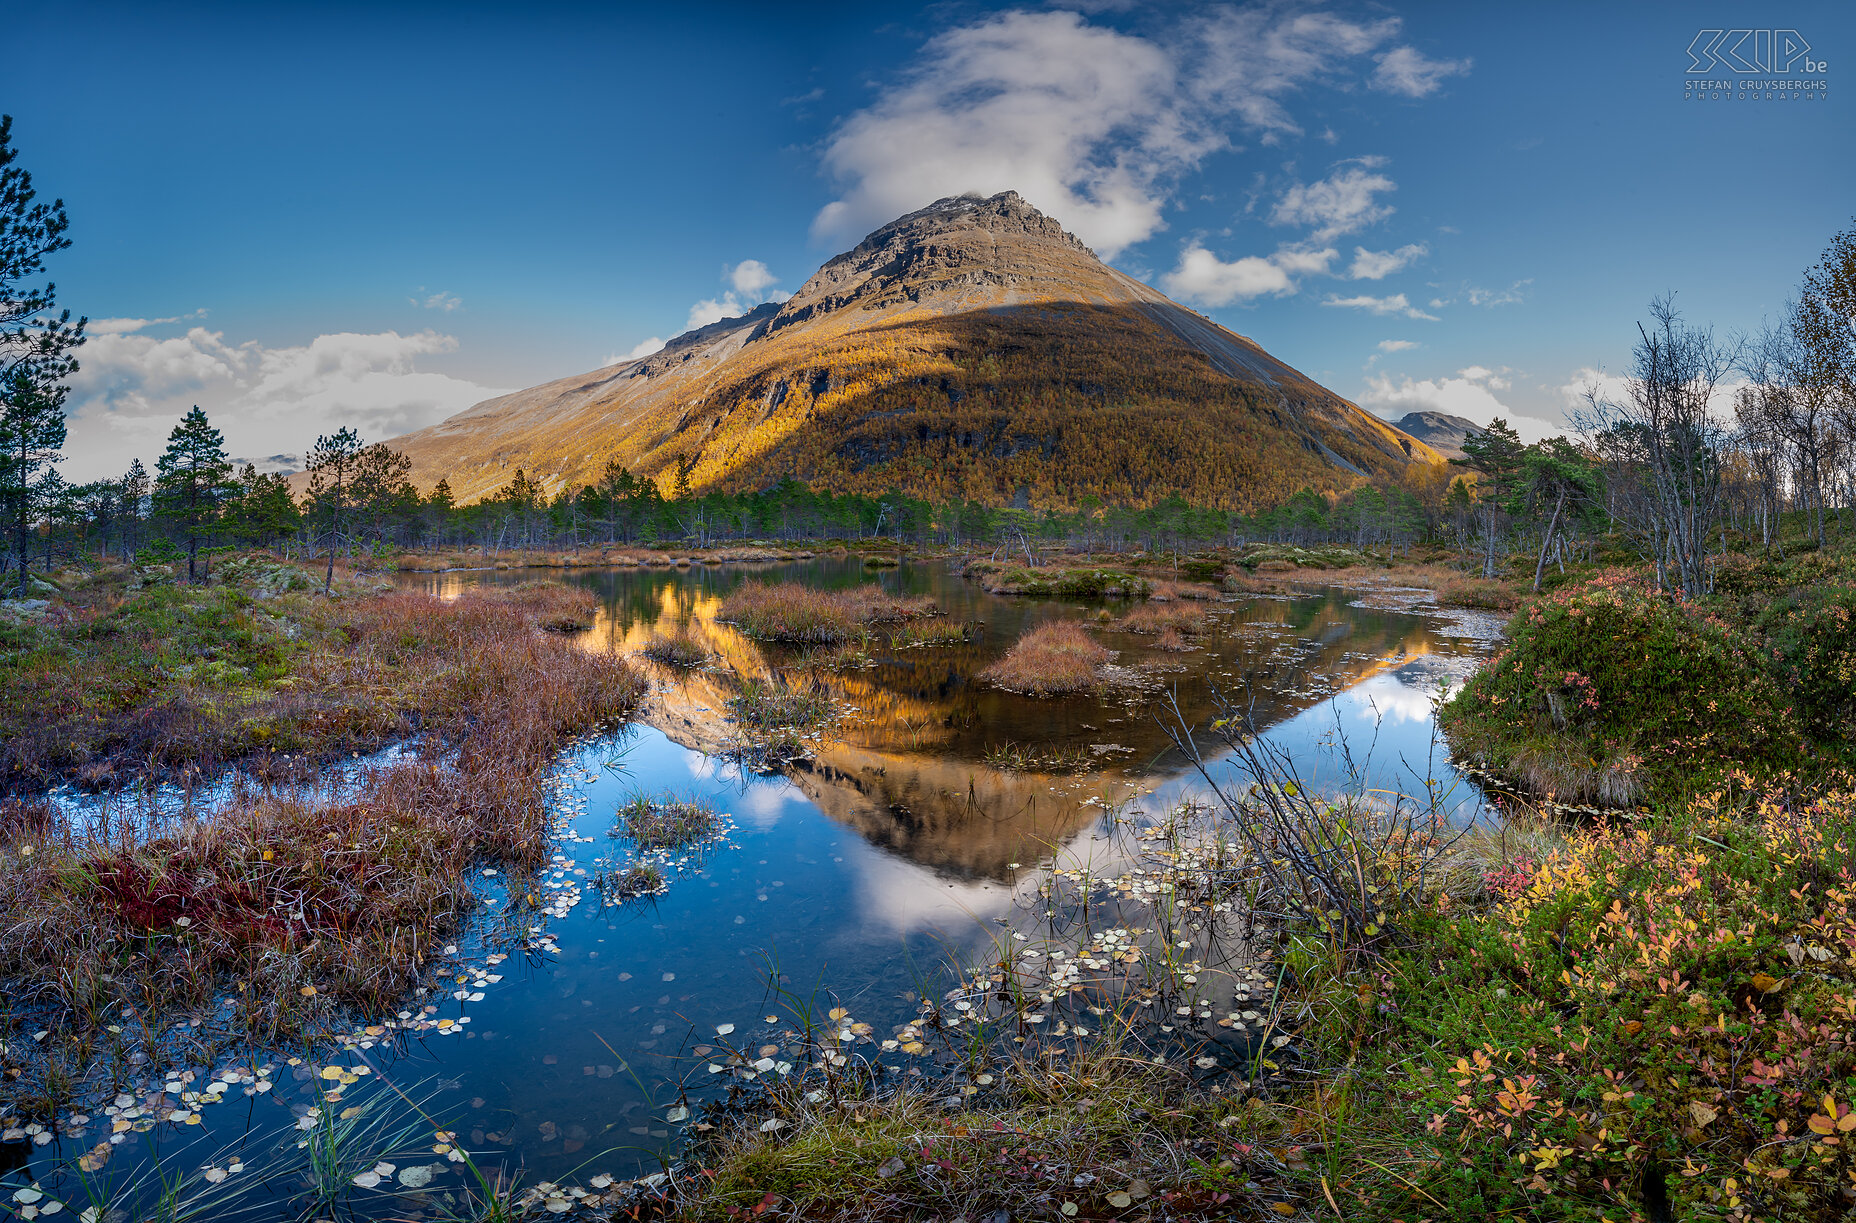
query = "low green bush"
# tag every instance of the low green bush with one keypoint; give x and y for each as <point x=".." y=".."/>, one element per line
<point x="1610" y="694"/>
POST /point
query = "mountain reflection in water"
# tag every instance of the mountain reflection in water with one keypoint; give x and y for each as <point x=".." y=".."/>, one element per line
<point x="906" y="766"/>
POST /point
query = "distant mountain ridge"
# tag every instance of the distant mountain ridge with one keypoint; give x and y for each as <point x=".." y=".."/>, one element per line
<point x="1440" y="431"/>
<point x="971" y="349"/>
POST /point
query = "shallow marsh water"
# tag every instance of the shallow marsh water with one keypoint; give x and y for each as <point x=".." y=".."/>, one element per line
<point x="851" y="880"/>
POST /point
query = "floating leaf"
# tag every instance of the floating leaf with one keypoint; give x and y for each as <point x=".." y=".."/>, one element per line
<point x="679" y="1113"/>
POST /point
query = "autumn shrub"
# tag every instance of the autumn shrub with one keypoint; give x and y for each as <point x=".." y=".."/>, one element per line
<point x="1050" y="660"/>
<point x="1809" y="637"/>
<point x="1651" y="1020"/>
<point x="1611" y="694"/>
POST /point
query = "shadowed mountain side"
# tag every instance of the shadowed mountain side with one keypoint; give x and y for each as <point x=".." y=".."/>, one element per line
<point x="970" y="349"/>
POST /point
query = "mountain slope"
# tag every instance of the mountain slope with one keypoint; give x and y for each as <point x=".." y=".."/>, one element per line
<point x="971" y="349"/>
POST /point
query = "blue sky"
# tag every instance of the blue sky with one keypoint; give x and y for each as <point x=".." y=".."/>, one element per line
<point x="308" y="216"/>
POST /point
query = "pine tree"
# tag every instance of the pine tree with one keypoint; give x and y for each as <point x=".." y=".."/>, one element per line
<point x="35" y="348"/>
<point x="134" y="488"/>
<point x="332" y="465"/>
<point x="193" y="480"/>
<point x="1494" y="454"/>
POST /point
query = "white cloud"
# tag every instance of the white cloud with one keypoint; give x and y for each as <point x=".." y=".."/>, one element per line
<point x="1338" y="204"/>
<point x="1396" y="345"/>
<point x="1394" y="304"/>
<point x="1204" y="278"/>
<point x="1405" y="70"/>
<point x="1482" y="373"/>
<point x="713" y="310"/>
<point x="1306" y="260"/>
<point x="1089" y="124"/>
<point x="1488" y="299"/>
<point x="1258" y="56"/>
<point x="1377" y="265"/>
<point x="1497" y="297"/>
<point x="1471" y="397"/>
<point x="1616" y="389"/>
<point x="751" y="278"/>
<point x="643" y="348"/>
<point x="134" y="387"/>
<point x="750" y="284"/>
<point x="437" y="301"/>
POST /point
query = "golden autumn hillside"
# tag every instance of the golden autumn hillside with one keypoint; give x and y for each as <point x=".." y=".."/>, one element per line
<point x="973" y="349"/>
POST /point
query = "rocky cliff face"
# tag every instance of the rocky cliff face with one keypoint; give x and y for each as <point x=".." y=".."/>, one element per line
<point x="973" y="348"/>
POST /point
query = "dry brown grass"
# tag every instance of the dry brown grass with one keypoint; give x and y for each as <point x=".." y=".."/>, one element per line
<point x="797" y="614"/>
<point x="1200" y="591"/>
<point x="1051" y="659"/>
<point x="1170" y="641"/>
<point x="1162" y="618"/>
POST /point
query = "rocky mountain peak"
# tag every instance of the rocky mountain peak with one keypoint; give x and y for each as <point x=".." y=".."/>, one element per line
<point x="961" y="252"/>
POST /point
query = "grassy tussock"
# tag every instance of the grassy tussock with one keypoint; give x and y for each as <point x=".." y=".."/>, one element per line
<point x="298" y="907"/>
<point x="1052" y="659"/>
<point x="677" y="649"/>
<point x="795" y="614"/>
<point x="1176" y="618"/>
<point x="667" y="823"/>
